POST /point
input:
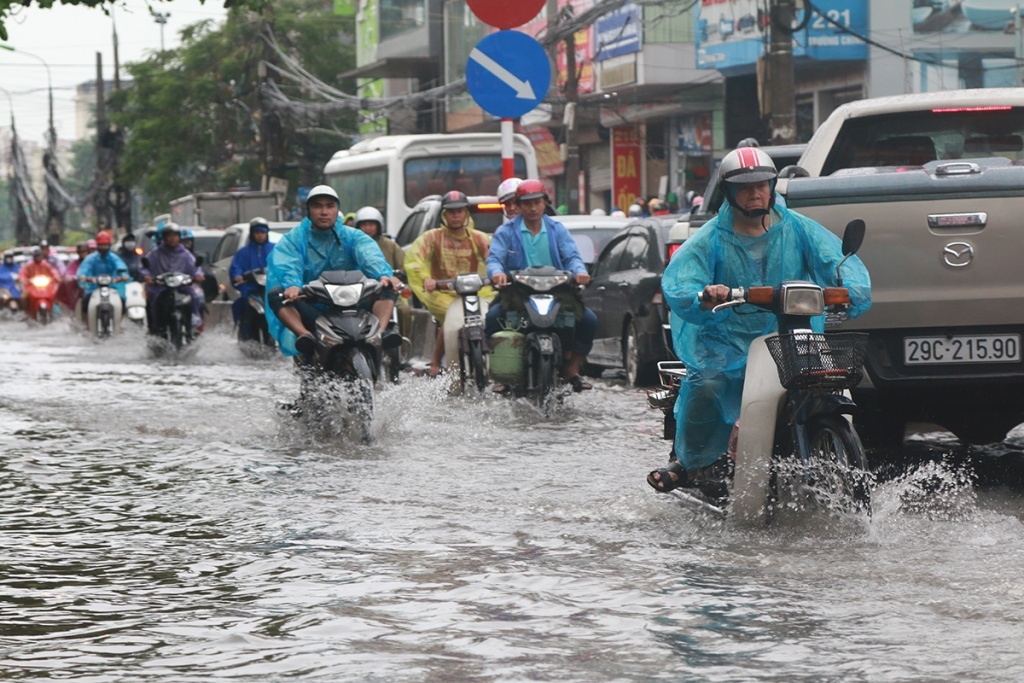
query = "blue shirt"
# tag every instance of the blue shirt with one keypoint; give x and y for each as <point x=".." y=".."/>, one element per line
<point x="536" y="247"/>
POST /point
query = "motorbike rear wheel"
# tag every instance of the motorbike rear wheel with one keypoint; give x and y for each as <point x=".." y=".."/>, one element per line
<point x="475" y="361"/>
<point x="838" y="464"/>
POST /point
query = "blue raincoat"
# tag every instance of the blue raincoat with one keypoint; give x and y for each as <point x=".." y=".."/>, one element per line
<point x="9" y="278"/>
<point x="714" y="346"/>
<point x="98" y="264"/>
<point x="249" y="257"/>
<point x="294" y="261"/>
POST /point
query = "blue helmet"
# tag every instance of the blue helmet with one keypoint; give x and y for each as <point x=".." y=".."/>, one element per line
<point x="186" y="234"/>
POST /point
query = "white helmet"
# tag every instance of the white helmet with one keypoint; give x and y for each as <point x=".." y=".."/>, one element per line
<point x="369" y="213"/>
<point x="598" y="212"/>
<point x="618" y="213"/>
<point x="507" y="189"/>
<point x="635" y="211"/>
<point x="323" y="191"/>
<point x="747" y="165"/>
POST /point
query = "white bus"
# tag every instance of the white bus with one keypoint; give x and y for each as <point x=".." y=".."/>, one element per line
<point x="393" y="172"/>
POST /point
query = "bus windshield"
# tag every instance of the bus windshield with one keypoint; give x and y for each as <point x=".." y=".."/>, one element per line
<point x="471" y="174"/>
<point x="362" y="187"/>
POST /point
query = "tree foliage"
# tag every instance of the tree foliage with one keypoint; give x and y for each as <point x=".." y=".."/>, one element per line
<point x="194" y="117"/>
<point x="8" y="7"/>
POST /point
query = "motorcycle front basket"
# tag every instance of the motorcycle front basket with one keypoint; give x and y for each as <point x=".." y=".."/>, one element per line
<point x="819" y="362"/>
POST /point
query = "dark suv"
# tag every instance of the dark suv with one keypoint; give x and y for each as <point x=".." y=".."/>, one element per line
<point x="484" y="209"/>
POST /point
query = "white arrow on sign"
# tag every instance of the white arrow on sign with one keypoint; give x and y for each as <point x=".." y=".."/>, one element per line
<point x="522" y="88"/>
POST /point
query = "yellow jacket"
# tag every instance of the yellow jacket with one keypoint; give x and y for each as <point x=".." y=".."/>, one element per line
<point x="435" y="254"/>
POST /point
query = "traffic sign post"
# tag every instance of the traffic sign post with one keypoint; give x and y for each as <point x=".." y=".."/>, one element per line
<point x="508" y="74"/>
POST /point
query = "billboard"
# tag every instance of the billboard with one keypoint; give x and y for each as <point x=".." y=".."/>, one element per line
<point x="618" y="33"/>
<point x="965" y="16"/>
<point x="734" y="33"/>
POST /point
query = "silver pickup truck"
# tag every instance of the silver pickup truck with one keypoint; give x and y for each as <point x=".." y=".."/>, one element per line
<point x="939" y="180"/>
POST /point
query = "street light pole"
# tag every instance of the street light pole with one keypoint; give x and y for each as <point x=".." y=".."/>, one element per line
<point x="161" y="18"/>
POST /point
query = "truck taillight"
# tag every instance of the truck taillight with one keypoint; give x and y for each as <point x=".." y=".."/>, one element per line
<point x="671" y="249"/>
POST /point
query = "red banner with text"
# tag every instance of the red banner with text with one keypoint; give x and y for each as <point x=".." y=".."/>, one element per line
<point x="626" y="166"/>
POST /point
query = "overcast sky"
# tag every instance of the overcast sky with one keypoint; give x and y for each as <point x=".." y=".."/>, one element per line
<point x="68" y="38"/>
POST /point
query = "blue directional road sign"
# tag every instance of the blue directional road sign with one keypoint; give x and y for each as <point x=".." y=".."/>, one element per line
<point x="508" y="74"/>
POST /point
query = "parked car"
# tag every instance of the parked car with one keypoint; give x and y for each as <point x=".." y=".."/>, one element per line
<point x="625" y="293"/>
<point x="231" y="240"/>
<point x="484" y="209"/>
<point x="783" y="156"/>
<point x="592" y="233"/>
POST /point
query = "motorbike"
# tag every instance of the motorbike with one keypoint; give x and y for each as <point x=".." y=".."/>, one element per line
<point x="39" y="294"/>
<point x="173" y="309"/>
<point x="348" y="345"/>
<point x="135" y="302"/>
<point x="105" y="308"/>
<point x="9" y="306"/>
<point x="796" y="445"/>
<point x="464" y="331"/>
<point x="252" y="327"/>
<point x="527" y="355"/>
<point x="393" y="359"/>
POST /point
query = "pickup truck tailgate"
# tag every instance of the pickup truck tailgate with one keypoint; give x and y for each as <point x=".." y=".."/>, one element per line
<point x="943" y="242"/>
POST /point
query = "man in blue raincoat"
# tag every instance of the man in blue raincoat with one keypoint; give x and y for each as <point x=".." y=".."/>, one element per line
<point x="319" y="243"/>
<point x="9" y="276"/>
<point x="754" y="240"/>
<point x="250" y="257"/>
<point x="103" y="261"/>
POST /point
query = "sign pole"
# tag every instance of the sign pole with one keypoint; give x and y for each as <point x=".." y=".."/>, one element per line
<point x="508" y="162"/>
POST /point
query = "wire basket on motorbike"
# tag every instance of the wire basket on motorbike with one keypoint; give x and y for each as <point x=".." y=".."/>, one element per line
<point x="819" y="362"/>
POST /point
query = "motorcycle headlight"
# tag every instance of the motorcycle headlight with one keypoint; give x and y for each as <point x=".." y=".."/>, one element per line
<point x="261" y="279"/>
<point x="469" y="283"/>
<point x="802" y="298"/>
<point x="174" y="280"/>
<point x="542" y="283"/>
<point x="345" y="295"/>
<point x="104" y="279"/>
<point x="41" y="281"/>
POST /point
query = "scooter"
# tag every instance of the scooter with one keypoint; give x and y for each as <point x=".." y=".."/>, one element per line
<point x="527" y="355"/>
<point x="173" y="310"/>
<point x="9" y="306"/>
<point x="135" y="302"/>
<point x="39" y="294"/>
<point x="465" y="344"/>
<point x="348" y="344"/>
<point x="252" y="327"/>
<point x="795" y="437"/>
<point x="105" y="308"/>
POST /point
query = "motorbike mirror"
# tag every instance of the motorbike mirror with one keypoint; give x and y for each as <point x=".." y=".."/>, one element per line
<point x="853" y="236"/>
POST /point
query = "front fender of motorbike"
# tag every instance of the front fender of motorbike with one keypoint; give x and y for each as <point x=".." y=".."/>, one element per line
<point x="542" y="310"/>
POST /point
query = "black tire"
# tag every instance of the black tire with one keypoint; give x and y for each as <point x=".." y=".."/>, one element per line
<point x="392" y="364"/>
<point x="174" y="334"/>
<point x="476" y="359"/>
<point x="639" y="372"/>
<point x="44" y="316"/>
<point x="363" y="377"/>
<point x="841" y="464"/>
<point x="545" y="379"/>
<point x="103" y="324"/>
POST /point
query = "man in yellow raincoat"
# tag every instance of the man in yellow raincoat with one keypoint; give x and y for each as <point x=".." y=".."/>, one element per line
<point x="441" y="254"/>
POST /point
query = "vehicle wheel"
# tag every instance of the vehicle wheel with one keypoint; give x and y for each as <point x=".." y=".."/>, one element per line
<point x="639" y="372"/>
<point x="104" y="324"/>
<point x="839" y="465"/>
<point x="392" y="360"/>
<point x="545" y="380"/>
<point x="174" y="332"/>
<point x="43" y="316"/>
<point x="477" y="359"/>
<point x="361" y="405"/>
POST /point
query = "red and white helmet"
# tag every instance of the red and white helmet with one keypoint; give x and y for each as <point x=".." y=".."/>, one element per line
<point x="507" y="189"/>
<point x="531" y="189"/>
<point x="746" y="165"/>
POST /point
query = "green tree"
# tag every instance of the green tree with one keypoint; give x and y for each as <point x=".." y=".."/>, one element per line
<point x="6" y="7"/>
<point x="197" y="118"/>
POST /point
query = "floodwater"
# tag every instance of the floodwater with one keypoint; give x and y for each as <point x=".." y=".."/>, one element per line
<point x="166" y="522"/>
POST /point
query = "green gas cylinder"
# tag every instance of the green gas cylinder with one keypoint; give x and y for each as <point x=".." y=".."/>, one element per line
<point x="506" y="361"/>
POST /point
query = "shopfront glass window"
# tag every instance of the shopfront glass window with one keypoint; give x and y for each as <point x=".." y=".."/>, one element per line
<point x="399" y="16"/>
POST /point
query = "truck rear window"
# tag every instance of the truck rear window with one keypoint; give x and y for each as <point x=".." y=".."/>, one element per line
<point x="910" y="139"/>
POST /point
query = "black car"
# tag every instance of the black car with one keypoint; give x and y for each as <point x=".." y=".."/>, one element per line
<point x="485" y="210"/>
<point x="591" y="233"/>
<point x="625" y="293"/>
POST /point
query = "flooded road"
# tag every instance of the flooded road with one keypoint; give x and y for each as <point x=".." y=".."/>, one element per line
<point x="166" y="522"/>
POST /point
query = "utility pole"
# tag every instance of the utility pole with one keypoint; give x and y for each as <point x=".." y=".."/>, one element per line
<point x="161" y="18"/>
<point x="103" y="153"/>
<point x="572" y="96"/>
<point x="780" y="73"/>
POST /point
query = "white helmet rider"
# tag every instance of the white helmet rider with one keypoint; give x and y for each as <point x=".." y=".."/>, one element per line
<point x="322" y="191"/>
<point x="507" y="196"/>
<point x="370" y="214"/>
<point x="747" y="165"/>
<point x="635" y="211"/>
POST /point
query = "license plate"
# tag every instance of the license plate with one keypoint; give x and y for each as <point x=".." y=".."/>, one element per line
<point x="980" y="348"/>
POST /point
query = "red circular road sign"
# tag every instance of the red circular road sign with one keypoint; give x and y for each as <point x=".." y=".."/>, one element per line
<point x="505" y="14"/>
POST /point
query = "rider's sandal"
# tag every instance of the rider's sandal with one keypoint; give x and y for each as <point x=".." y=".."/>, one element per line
<point x="579" y="384"/>
<point x="664" y="482"/>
